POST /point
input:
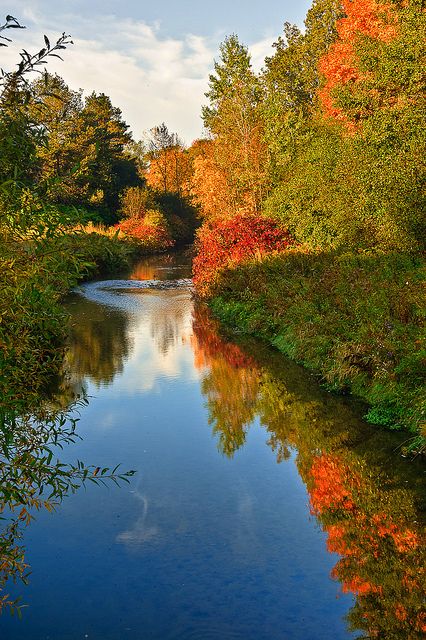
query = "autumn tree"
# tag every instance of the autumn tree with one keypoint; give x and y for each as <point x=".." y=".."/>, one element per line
<point x="233" y="118"/>
<point x="291" y="79"/>
<point x="209" y="186"/>
<point x="347" y="162"/>
<point x="168" y="165"/>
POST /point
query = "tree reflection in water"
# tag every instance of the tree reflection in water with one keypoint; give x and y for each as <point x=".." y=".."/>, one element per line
<point x="32" y="476"/>
<point x="371" y="518"/>
<point x="231" y="386"/>
<point x="99" y="342"/>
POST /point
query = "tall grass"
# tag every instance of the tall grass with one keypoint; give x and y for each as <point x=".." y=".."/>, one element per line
<point x="356" y="320"/>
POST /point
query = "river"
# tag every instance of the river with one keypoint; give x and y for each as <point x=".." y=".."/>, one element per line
<point x="263" y="508"/>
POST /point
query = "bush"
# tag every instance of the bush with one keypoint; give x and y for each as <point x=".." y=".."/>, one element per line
<point x="151" y="230"/>
<point x="229" y="242"/>
<point x="134" y="202"/>
<point x="34" y="275"/>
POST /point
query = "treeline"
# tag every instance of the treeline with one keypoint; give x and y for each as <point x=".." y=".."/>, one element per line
<point x="70" y="158"/>
<point x="329" y="138"/>
<point x="328" y="143"/>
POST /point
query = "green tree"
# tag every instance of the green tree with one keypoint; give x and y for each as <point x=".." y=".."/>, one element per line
<point x="106" y="136"/>
<point x="234" y="119"/>
<point x="57" y="111"/>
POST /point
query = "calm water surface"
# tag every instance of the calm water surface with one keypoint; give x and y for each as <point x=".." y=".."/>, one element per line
<point x="260" y="510"/>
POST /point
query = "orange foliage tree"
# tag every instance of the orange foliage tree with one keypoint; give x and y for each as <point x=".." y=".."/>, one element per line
<point x="340" y="66"/>
<point x="237" y="161"/>
<point x="150" y="230"/>
<point x="169" y="171"/>
<point x="209" y="186"/>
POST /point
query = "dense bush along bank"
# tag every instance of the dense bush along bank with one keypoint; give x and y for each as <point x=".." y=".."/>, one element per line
<point x="357" y="320"/>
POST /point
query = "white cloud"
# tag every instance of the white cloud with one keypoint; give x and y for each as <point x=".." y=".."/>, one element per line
<point x="152" y="78"/>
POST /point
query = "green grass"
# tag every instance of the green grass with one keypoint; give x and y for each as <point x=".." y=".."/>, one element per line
<point x="356" y="320"/>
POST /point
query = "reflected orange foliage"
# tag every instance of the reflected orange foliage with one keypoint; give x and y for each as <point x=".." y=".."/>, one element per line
<point x="380" y="551"/>
<point x="208" y="344"/>
<point x="143" y="272"/>
<point x="332" y="485"/>
<point x="230" y="384"/>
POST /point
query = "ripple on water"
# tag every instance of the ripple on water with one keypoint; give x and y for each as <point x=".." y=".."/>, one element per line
<point x="111" y="292"/>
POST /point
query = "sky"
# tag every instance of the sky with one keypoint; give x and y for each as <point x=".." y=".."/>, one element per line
<point x="152" y="58"/>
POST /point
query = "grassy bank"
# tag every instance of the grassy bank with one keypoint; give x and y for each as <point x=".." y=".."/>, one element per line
<point x="34" y="276"/>
<point x="356" y="320"/>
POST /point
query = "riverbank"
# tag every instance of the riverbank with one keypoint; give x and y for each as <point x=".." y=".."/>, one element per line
<point x="34" y="277"/>
<point x="356" y="320"/>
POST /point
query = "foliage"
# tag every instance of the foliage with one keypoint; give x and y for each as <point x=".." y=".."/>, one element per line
<point x="354" y="524"/>
<point x="169" y="162"/>
<point x="209" y="187"/>
<point x="226" y="243"/>
<point x="337" y="118"/>
<point x="356" y="320"/>
<point x="134" y="202"/>
<point x="233" y="118"/>
<point x="34" y="276"/>
<point x="66" y="150"/>
<point x="339" y="66"/>
<point x="151" y="230"/>
<point x="179" y="216"/>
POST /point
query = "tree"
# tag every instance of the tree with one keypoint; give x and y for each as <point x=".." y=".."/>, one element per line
<point x="209" y="186"/>
<point x="363" y="18"/>
<point x="56" y="110"/>
<point x="234" y="120"/>
<point x="168" y="163"/>
<point x="291" y="79"/>
<point x="20" y="136"/>
<point x="106" y="135"/>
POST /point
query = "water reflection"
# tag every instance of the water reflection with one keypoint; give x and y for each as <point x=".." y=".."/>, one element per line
<point x="371" y="517"/>
<point x="221" y="546"/>
<point x="168" y="266"/>
<point x="231" y="385"/>
<point x="99" y="342"/>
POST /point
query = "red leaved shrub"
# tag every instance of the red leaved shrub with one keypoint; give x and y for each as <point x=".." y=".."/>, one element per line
<point x="231" y="241"/>
<point x="151" y="230"/>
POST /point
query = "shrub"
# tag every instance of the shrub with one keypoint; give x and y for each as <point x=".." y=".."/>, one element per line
<point x="229" y="242"/>
<point x="134" y="202"/>
<point x="151" y="230"/>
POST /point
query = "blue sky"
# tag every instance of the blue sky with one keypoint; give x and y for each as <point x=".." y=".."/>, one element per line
<point x="152" y="58"/>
